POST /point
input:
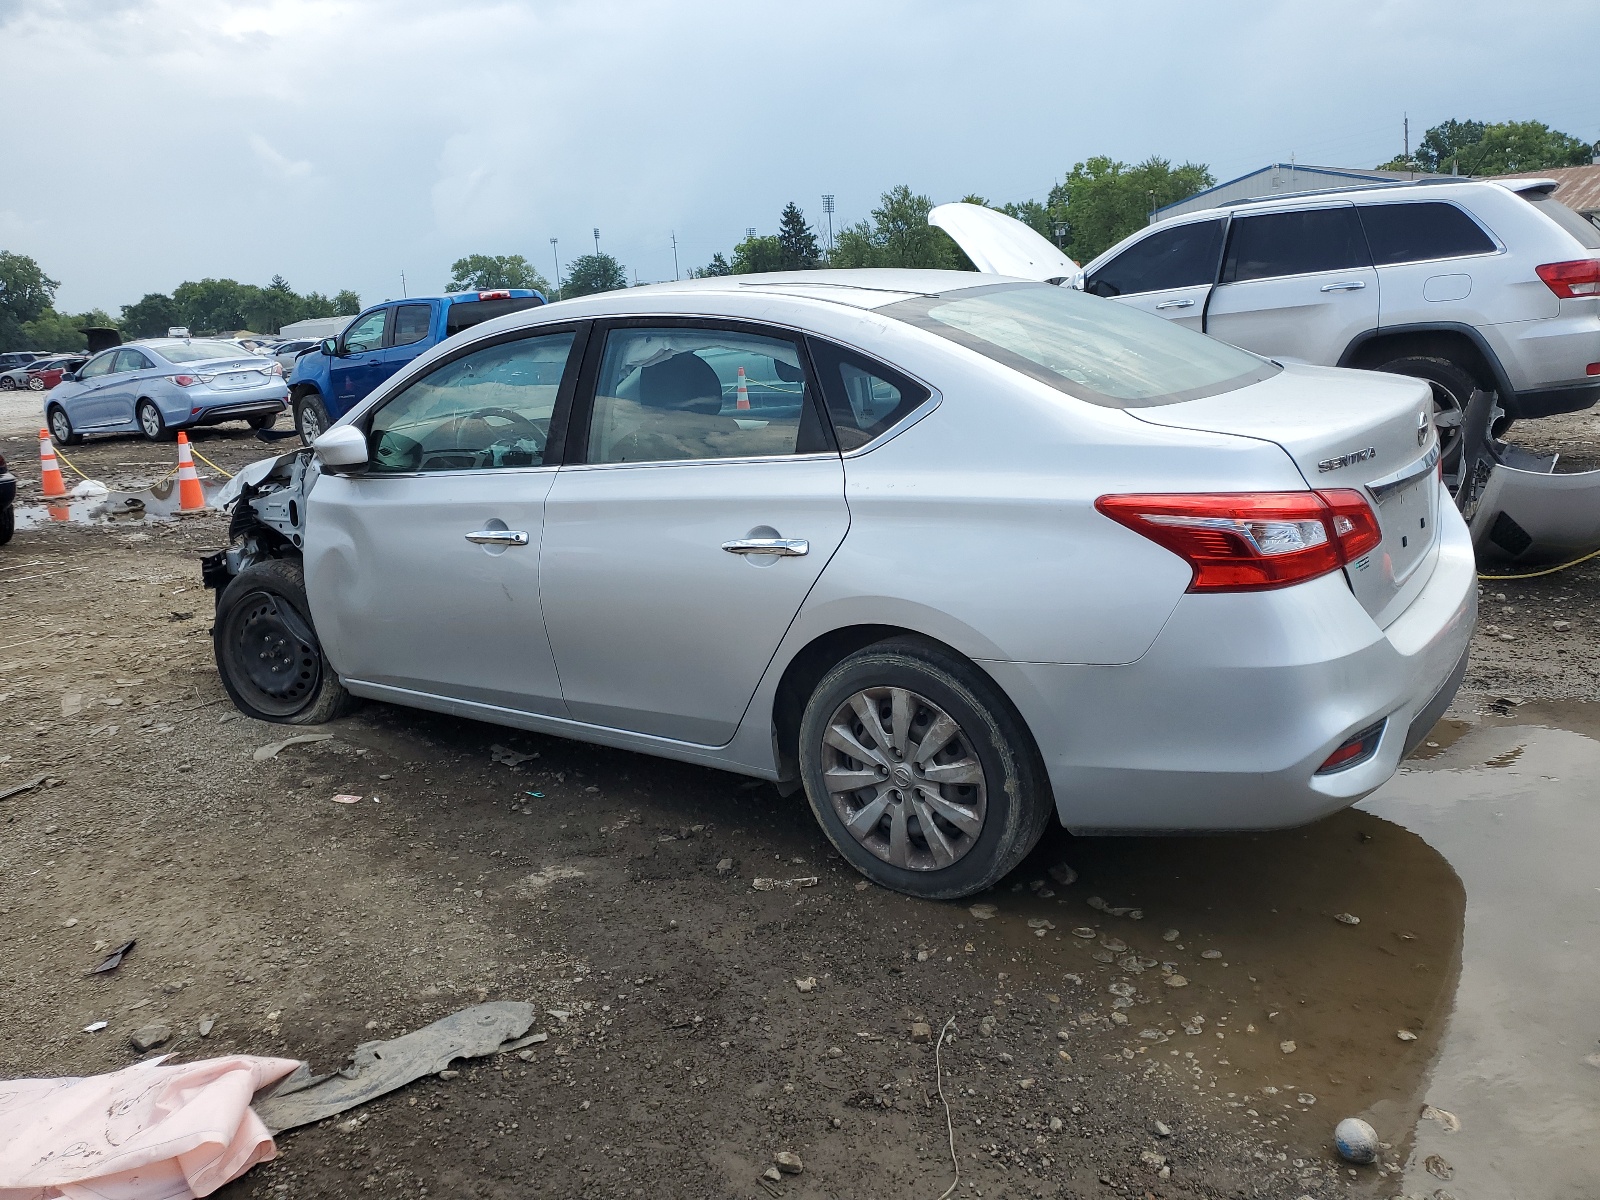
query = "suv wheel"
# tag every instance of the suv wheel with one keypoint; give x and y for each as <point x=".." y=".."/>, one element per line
<point x="267" y="652"/>
<point x="1452" y="389"/>
<point x="311" y="417"/>
<point x="61" y="427"/>
<point x="920" y="772"/>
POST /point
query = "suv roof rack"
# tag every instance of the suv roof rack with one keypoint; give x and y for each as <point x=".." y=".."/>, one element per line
<point x="1375" y="185"/>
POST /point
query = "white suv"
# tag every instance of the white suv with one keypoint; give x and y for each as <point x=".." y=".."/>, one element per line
<point x="1465" y="284"/>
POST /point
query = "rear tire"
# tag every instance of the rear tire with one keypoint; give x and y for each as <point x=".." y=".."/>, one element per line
<point x="958" y="758"/>
<point x="1452" y="386"/>
<point x="35" y="384"/>
<point x="8" y="523"/>
<point x="311" y="418"/>
<point x="266" y="422"/>
<point x="7" y="384"/>
<point x="61" y="426"/>
<point x="267" y="650"/>
<point x="151" y="423"/>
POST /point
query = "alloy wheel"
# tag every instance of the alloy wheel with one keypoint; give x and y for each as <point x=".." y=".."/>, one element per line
<point x="60" y="427"/>
<point x="149" y="421"/>
<point x="310" y="424"/>
<point x="904" y="779"/>
<point x="1448" y="409"/>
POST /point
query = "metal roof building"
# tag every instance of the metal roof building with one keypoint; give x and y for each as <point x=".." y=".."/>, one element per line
<point x="1285" y="179"/>
<point x="1576" y="187"/>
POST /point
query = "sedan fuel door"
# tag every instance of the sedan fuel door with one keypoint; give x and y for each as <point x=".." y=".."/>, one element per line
<point x="1168" y="272"/>
<point x="1296" y="285"/>
<point x="688" y="525"/>
<point x="423" y="567"/>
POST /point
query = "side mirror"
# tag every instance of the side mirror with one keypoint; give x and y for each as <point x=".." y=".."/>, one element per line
<point x="330" y="347"/>
<point x="342" y="448"/>
<point x="69" y="377"/>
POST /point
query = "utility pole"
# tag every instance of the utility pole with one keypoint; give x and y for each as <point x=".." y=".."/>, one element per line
<point x="597" y="241"/>
<point x="555" y="254"/>
<point x="403" y="292"/>
<point x="1405" y="125"/>
<point x="827" y="207"/>
<point x="674" y="255"/>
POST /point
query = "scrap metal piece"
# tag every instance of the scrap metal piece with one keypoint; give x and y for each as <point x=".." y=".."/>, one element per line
<point x="1533" y="516"/>
<point x="26" y="786"/>
<point x="114" y="959"/>
<point x="380" y="1067"/>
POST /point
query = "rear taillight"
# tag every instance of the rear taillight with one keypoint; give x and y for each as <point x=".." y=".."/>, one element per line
<point x="1252" y="541"/>
<point x="184" y="380"/>
<point x="1580" y="277"/>
<point x="1354" y="750"/>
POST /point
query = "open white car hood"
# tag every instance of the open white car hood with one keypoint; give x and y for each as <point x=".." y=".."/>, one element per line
<point x="1002" y="245"/>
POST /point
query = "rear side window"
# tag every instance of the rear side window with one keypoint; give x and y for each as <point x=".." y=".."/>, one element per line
<point x="1174" y="258"/>
<point x="131" y="360"/>
<point x="1401" y="233"/>
<point x="1294" y="243"/>
<point x="1104" y="353"/>
<point x="468" y="313"/>
<point x="865" y="399"/>
<point x="411" y="323"/>
<point x="1579" y="226"/>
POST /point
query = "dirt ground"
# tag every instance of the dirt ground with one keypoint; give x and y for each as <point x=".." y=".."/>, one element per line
<point x="615" y="893"/>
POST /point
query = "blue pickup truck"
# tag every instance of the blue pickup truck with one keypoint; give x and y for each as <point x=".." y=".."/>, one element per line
<point x="328" y="381"/>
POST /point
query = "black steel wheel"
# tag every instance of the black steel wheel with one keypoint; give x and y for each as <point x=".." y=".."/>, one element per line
<point x="267" y="650"/>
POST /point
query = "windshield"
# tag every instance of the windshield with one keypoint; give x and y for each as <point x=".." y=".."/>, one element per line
<point x="1097" y="350"/>
<point x="188" y="352"/>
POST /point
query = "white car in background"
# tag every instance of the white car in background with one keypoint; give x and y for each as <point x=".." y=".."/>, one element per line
<point x="983" y="553"/>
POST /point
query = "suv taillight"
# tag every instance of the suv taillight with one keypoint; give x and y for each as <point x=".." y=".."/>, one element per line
<point x="1581" y="277"/>
<point x="1252" y="541"/>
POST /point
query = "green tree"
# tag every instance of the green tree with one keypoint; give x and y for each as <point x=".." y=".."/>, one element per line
<point x="1036" y="216"/>
<point x="1502" y="148"/>
<point x="346" y="304"/>
<point x="273" y="307"/>
<point x="591" y="273"/>
<point x="798" y="240"/>
<point x="1102" y="200"/>
<point x="213" y="305"/>
<point x="26" y="292"/>
<point x="764" y="252"/>
<point x="151" y="316"/>
<point x="898" y="236"/>
<point x="315" y="304"/>
<point x="480" y="272"/>
<point x="51" y="330"/>
<point x="717" y="266"/>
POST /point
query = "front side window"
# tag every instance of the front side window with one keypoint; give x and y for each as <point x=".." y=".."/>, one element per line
<point x="670" y="394"/>
<point x="1096" y="350"/>
<point x="411" y="323"/>
<point x="1294" y="243"/>
<point x="1418" y="232"/>
<point x="1174" y="258"/>
<point x="366" y="334"/>
<point x="98" y="366"/>
<point x="485" y="410"/>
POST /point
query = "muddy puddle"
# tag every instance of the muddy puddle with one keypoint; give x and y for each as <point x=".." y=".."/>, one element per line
<point x="121" y="507"/>
<point x="1437" y="945"/>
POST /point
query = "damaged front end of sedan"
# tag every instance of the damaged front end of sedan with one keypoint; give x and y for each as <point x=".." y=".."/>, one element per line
<point x="268" y="515"/>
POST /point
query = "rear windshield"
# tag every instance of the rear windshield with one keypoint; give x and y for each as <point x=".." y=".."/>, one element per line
<point x="1579" y="226"/>
<point x="188" y="352"/>
<point x="1097" y="350"/>
<point x="467" y="313"/>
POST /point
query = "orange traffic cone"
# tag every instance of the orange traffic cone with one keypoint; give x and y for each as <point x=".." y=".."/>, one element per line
<point x="191" y="497"/>
<point x="743" y="402"/>
<point x="50" y="481"/>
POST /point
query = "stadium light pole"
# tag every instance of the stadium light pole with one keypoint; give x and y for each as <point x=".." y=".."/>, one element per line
<point x="555" y="254"/>
<point x="597" y="240"/>
<point x="827" y="207"/>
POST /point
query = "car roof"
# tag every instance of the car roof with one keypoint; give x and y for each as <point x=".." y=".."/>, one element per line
<point x="1411" y="189"/>
<point x="861" y="288"/>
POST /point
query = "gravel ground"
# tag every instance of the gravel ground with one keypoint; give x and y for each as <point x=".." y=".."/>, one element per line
<point x="617" y="890"/>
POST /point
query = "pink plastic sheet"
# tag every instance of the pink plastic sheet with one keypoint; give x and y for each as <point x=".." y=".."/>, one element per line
<point x="152" y="1131"/>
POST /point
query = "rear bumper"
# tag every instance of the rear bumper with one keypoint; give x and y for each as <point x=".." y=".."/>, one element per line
<point x="1548" y="402"/>
<point x="240" y="410"/>
<point x="1223" y="723"/>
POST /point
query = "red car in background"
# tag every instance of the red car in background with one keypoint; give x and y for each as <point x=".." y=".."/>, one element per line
<point x="44" y="376"/>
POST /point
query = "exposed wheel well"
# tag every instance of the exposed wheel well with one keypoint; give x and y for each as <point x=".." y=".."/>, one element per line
<point x="1428" y="343"/>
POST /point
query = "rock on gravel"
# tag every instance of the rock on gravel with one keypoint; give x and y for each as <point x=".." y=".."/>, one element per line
<point x="148" y="1037"/>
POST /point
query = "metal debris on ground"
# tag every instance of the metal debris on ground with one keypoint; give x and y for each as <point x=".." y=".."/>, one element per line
<point x="345" y="799"/>
<point x="265" y="752"/>
<point x="511" y="758"/>
<point x="18" y="789"/>
<point x="114" y="960"/>
<point x="381" y="1067"/>
<point x="772" y="885"/>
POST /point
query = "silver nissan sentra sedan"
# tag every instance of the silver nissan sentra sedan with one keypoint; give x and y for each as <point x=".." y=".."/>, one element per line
<point x="953" y="553"/>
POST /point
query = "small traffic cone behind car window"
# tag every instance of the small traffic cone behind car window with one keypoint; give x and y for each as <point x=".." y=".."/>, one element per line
<point x="50" y="481"/>
<point x="742" y="402"/>
<point x="191" y="497"/>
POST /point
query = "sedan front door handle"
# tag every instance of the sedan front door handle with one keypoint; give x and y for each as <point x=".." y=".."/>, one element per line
<point x="499" y="537"/>
<point x="1175" y="304"/>
<point x="1354" y="285"/>
<point x="787" y="547"/>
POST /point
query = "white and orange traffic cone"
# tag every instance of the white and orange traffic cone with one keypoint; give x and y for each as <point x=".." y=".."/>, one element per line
<point x="191" y="497"/>
<point x="50" y="481"/>
<point x="743" y="402"/>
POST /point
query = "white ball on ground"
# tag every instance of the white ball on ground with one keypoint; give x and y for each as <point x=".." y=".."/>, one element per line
<point x="1355" y="1140"/>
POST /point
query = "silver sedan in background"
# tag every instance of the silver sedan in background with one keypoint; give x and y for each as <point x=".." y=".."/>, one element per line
<point x="956" y="554"/>
<point x="160" y="386"/>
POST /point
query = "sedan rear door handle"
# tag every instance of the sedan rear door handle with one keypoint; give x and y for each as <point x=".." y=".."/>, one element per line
<point x="1353" y="285"/>
<point x="787" y="547"/>
<point x="499" y="537"/>
<point x="1175" y="304"/>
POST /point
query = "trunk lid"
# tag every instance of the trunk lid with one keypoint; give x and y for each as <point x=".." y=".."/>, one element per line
<point x="1346" y="429"/>
<point x="1002" y="245"/>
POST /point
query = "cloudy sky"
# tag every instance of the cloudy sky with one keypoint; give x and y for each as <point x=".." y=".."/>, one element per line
<point x="341" y="142"/>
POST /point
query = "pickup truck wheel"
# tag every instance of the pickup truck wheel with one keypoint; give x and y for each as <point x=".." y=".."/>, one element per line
<point x="920" y="772"/>
<point x="267" y="651"/>
<point x="1452" y="388"/>
<point x="311" y="418"/>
